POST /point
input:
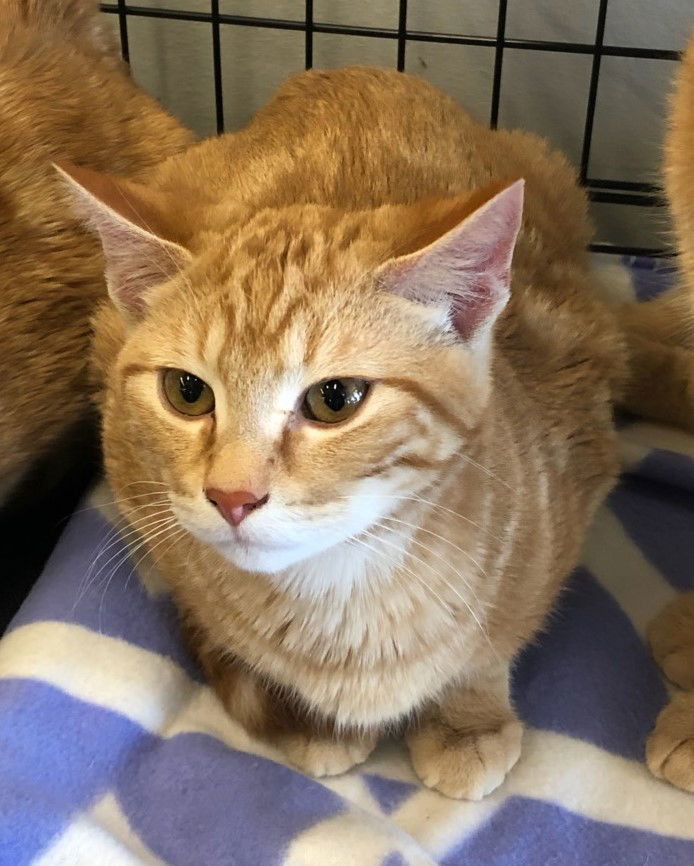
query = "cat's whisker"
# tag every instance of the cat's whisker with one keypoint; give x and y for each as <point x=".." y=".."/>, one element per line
<point x="478" y="603"/>
<point x="115" y="519"/>
<point x="138" y="527"/>
<point x="130" y="547"/>
<point x="436" y="573"/>
<point x="441" y="538"/>
<point x="485" y="469"/>
<point x="464" y="517"/>
<point x="134" y="570"/>
<point x="126" y="527"/>
<point x="98" y="505"/>
<point x="136" y="496"/>
<point x="121" y="557"/>
<point x="129" y="550"/>
<point x="357" y="540"/>
<point x="174" y="538"/>
<point x="145" y="541"/>
<point x="134" y="528"/>
<point x="115" y="532"/>
<point x="416" y="498"/>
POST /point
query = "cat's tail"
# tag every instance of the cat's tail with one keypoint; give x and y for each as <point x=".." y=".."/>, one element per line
<point x="660" y="333"/>
<point x="79" y="21"/>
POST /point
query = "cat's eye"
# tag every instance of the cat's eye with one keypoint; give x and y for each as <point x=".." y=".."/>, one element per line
<point x="334" y="400"/>
<point x="186" y="393"/>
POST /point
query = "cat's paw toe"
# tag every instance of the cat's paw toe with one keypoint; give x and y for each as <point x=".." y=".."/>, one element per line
<point x="318" y="756"/>
<point x="678" y="666"/>
<point x="465" y="766"/>
<point x="670" y="748"/>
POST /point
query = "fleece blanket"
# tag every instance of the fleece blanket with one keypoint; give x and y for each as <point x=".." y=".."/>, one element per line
<point x="113" y="750"/>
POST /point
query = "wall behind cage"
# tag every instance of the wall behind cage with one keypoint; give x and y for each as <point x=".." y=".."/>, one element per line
<point x="545" y="91"/>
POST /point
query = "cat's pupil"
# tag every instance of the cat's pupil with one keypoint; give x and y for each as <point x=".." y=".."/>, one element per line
<point x="334" y="395"/>
<point x="190" y="387"/>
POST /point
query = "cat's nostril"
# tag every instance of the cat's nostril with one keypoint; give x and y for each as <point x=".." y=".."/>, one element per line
<point x="235" y="505"/>
<point x="260" y="502"/>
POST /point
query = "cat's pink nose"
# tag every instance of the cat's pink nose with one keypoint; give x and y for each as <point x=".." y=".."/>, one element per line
<point x="235" y="505"/>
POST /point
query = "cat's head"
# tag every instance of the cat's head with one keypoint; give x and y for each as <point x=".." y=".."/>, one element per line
<point x="291" y="379"/>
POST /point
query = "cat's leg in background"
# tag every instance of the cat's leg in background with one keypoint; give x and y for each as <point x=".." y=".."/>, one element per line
<point x="659" y="338"/>
<point x="272" y="714"/>
<point x="670" y="748"/>
<point x="466" y="744"/>
<point x="671" y="636"/>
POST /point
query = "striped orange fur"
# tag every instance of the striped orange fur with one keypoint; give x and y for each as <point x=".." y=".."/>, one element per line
<point x="431" y="533"/>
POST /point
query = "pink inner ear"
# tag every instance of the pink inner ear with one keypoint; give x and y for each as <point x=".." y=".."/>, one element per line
<point x="124" y="215"/>
<point x="468" y="268"/>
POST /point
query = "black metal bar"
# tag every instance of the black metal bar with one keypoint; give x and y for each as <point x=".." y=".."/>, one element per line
<point x="593" y="90"/>
<point x="412" y="35"/>
<point x="308" y="24"/>
<point x="620" y="250"/>
<point x="217" y="67"/>
<point x="206" y="17"/>
<point x="122" y="12"/>
<point x="629" y="185"/>
<point x="498" y="60"/>
<point x="640" y="53"/>
<point x="632" y="198"/>
<point x="402" y="34"/>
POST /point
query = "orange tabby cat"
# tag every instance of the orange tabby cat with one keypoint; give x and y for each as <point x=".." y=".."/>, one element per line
<point x="660" y="333"/>
<point x="670" y="751"/>
<point x="370" y="461"/>
<point x="64" y="93"/>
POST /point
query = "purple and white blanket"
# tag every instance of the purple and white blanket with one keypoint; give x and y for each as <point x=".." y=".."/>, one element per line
<point x="113" y="750"/>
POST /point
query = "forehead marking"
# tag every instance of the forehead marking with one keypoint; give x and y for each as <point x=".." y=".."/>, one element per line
<point x="282" y="400"/>
<point x="215" y="342"/>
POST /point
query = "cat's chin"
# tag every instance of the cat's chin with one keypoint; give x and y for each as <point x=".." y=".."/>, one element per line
<point x="266" y="560"/>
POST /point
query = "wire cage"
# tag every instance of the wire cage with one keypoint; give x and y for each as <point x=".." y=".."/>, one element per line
<point x="642" y="192"/>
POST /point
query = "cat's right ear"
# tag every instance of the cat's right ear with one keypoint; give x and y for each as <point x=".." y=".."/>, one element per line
<point x="133" y="222"/>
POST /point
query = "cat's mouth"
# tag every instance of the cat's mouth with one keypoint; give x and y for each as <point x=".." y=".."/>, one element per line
<point x="252" y="544"/>
<point x="250" y="540"/>
<point x="254" y="556"/>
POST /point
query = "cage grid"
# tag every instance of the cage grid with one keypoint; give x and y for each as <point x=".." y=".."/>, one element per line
<point x="604" y="190"/>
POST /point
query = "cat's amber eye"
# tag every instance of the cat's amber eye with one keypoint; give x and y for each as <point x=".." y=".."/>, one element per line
<point x="334" y="400"/>
<point x="186" y="393"/>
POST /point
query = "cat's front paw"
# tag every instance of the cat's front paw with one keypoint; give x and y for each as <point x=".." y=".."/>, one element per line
<point x="465" y="766"/>
<point x="670" y="748"/>
<point x="321" y="756"/>
<point x="671" y="636"/>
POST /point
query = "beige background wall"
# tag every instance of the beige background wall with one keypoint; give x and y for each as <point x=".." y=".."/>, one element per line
<point x="545" y="92"/>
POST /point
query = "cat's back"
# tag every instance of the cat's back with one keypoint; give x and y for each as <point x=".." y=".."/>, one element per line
<point x="361" y="137"/>
<point x="64" y="95"/>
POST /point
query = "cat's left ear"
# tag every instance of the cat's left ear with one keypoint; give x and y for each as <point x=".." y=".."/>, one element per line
<point x="136" y="229"/>
<point x="461" y="259"/>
